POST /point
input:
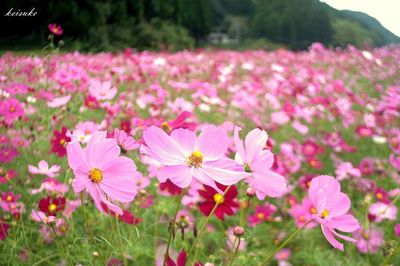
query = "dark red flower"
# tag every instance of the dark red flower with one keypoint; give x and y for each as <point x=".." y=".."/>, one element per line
<point x="51" y="205"/>
<point x="125" y="125"/>
<point x="59" y="141"/>
<point x="170" y="187"/>
<point x="305" y="180"/>
<point x="381" y="195"/>
<point x="4" y="227"/>
<point x="91" y="102"/>
<point x="227" y="203"/>
<point x="126" y="217"/>
<point x="180" y="261"/>
<point x="311" y="148"/>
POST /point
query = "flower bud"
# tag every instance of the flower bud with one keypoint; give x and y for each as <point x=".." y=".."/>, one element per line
<point x="238" y="231"/>
<point x="250" y="192"/>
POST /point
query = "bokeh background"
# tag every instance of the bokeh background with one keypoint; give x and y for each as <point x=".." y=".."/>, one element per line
<point x="182" y="24"/>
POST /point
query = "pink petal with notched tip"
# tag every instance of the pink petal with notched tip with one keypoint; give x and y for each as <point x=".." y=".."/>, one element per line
<point x="75" y="154"/>
<point x="345" y="223"/>
<point x="223" y="176"/>
<point x="186" y="139"/>
<point x="331" y="238"/>
<point x="180" y="175"/>
<point x="254" y="143"/>
<point x="341" y="206"/>
<point x="212" y="143"/>
<point x="162" y="147"/>
<point x="100" y="150"/>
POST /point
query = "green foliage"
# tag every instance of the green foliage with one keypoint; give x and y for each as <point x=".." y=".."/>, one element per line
<point x="92" y="25"/>
<point x="347" y="31"/>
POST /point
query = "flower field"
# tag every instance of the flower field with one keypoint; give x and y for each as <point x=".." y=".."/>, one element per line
<point x="201" y="158"/>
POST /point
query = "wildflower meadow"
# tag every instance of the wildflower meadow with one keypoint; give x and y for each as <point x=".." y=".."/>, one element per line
<point x="201" y="157"/>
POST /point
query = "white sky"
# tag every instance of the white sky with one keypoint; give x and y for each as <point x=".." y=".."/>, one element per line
<point x="387" y="12"/>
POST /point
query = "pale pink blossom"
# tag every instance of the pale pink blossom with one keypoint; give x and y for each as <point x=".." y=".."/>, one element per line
<point x="102" y="172"/>
<point x="332" y="208"/>
<point x="184" y="156"/>
<point x="44" y="169"/>
<point x="258" y="161"/>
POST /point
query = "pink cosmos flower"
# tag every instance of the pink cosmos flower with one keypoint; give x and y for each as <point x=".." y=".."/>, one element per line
<point x="283" y="257"/>
<point x="125" y="142"/>
<point x="364" y="131"/>
<point x="84" y="130"/>
<point x="261" y="214"/>
<point x="11" y="109"/>
<point x="381" y="211"/>
<point x="51" y="185"/>
<point x="7" y="154"/>
<point x="43" y="169"/>
<point x="395" y="161"/>
<point x="345" y="170"/>
<point x="100" y="171"/>
<point x="55" y="29"/>
<point x="303" y="213"/>
<point x="183" y="156"/>
<point x="258" y="162"/>
<point x="6" y="175"/>
<point x="366" y="166"/>
<point x="102" y="91"/>
<point x="368" y="240"/>
<point x="58" y="102"/>
<point x="17" y="88"/>
<point x="331" y="209"/>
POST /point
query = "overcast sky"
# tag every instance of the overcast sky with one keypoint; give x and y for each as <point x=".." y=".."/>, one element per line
<point x="387" y="12"/>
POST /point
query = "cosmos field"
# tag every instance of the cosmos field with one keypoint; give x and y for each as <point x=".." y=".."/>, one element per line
<point x="201" y="158"/>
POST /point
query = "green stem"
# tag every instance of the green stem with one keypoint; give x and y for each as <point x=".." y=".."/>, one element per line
<point x="285" y="243"/>
<point x="236" y="251"/>
<point x="391" y="203"/>
<point x="173" y="226"/>
<point x="58" y="242"/>
<point x="90" y="229"/>
<point x="203" y="226"/>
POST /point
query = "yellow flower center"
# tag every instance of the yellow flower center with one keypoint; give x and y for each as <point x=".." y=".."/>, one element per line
<point x="302" y="218"/>
<point x="165" y="126"/>
<point x="313" y="210"/>
<point x="9" y="198"/>
<point x="62" y="141"/>
<point x="324" y="213"/>
<point x="218" y="198"/>
<point x="195" y="159"/>
<point x="379" y="195"/>
<point x="52" y="207"/>
<point x="366" y="235"/>
<point x="12" y="109"/>
<point x="96" y="175"/>
<point x="260" y="215"/>
<point x="247" y="168"/>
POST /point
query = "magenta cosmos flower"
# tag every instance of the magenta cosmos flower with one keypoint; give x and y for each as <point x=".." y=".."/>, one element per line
<point x="183" y="155"/>
<point x="331" y="207"/>
<point x="55" y="29"/>
<point x="100" y="171"/>
<point x="11" y="109"/>
<point x="258" y="162"/>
